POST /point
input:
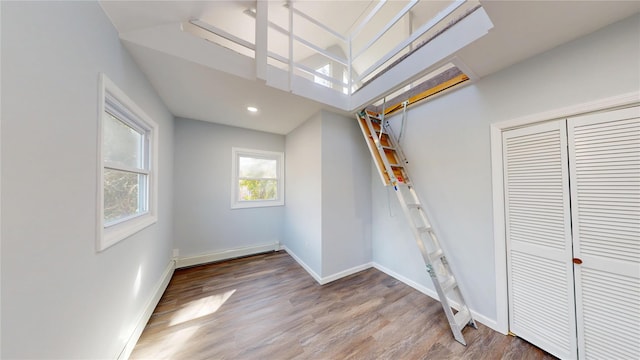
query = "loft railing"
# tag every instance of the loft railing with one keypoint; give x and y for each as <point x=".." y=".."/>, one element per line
<point x="380" y="37"/>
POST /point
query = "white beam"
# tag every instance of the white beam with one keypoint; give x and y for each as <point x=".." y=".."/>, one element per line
<point x="424" y="59"/>
<point x="364" y="22"/>
<point x="317" y="23"/>
<point x="384" y="30"/>
<point x="318" y="74"/>
<point x="423" y="29"/>
<point x="262" y="23"/>
<point x="321" y="51"/>
<point x="214" y="30"/>
<point x="291" y="64"/>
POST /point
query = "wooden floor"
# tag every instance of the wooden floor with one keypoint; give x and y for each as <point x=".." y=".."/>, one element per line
<point x="268" y="307"/>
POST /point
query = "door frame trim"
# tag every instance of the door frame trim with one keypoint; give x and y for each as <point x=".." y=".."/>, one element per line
<point x="499" y="236"/>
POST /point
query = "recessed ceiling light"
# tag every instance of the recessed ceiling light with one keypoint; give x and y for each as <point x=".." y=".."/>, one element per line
<point x="252" y="109"/>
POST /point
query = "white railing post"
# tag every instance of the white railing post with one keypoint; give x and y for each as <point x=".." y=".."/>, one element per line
<point x="350" y="69"/>
<point x="262" y="27"/>
<point x="291" y="62"/>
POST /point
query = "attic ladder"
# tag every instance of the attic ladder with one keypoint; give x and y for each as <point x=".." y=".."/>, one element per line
<point x="392" y="165"/>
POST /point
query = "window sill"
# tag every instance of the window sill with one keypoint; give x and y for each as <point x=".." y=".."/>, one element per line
<point x="116" y="233"/>
<point x="256" y="204"/>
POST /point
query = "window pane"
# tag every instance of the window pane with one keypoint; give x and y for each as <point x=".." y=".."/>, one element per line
<point x="325" y="70"/>
<point x="258" y="190"/>
<point x="122" y="196"/>
<point x="122" y="144"/>
<point x="257" y="168"/>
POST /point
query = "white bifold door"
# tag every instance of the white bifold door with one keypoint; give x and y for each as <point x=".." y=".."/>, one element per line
<point x="538" y="220"/>
<point x="572" y="204"/>
<point x="604" y="163"/>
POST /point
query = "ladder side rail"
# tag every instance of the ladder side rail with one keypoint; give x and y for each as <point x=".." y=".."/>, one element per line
<point x="425" y="219"/>
<point x="417" y="200"/>
<point x="460" y="302"/>
<point x="381" y="127"/>
<point x="443" y="259"/>
<point x="383" y="156"/>
<point x="369" y="134"/>
<point x="372" y="131"/>
<point x="462" y="305"/>
<point x="444" y="300"/>
<point x="414" y="229"/>
<point x="437" y="282"/>
<point x="396" y="145"/>
<point x="443" y="278"/>
<point x="379" y="119"/>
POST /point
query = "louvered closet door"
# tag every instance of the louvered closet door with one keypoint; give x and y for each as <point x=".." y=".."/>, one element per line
<point x="605" y="196"/>
<point x="540" y="268"/>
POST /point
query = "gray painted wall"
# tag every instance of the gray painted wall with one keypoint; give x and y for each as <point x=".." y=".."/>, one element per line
<point x="60" y="298"/>
<point x="346" y="201"/>
<point x="447" y="142"/>
<point x="328" y="216"/>
<point x="204" y="222"/>
<point x="303" y="201"/>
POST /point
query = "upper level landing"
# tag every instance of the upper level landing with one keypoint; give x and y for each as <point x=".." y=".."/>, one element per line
<point x="344" y="54"/>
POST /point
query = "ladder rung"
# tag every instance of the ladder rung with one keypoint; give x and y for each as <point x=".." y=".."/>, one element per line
<point x="449" y="284"/>
<point x="425" y="229"/>
<point x="387" y="151"/>
<point x="462" y="318"/>
<point x="436" y="254"/>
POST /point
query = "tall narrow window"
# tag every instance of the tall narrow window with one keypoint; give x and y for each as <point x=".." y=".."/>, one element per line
<point x="257" y="178"/>
<point x="345" y="81"/>
<point x="126" y="167"/>
<point x="128" y="173"/>
<point x="325" y="70"/>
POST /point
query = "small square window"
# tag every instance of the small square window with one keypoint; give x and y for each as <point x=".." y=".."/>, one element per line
<point x="257" y="178"/>
<point x="127" y="179"/>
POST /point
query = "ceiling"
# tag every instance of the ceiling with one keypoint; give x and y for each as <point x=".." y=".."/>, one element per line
<point x="521" y="30"/>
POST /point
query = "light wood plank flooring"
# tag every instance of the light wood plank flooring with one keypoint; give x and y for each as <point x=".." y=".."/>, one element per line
<point x="267" y="307"/>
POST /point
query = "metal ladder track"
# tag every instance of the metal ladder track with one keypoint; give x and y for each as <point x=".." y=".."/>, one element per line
<point x="392" y="166"/>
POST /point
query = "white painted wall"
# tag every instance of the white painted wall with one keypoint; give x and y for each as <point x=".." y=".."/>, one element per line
<point x="303" y="200"/>
<point x="447" y="142"/>
<point x="204" y="222"/>
<point x="60" y="298"/>
<point x="346" y="201"/>
<point x="328" y="216"/>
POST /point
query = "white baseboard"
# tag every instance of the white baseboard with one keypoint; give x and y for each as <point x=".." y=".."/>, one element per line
<point x="327" y="279"/>
<point x="423" y="289"/>
<point x="344" y="273"/>
<point x="433" y="294"/>
<point x="306" y="267"/>
<point x="226" y="254"/>
<point x="148" y="311"/>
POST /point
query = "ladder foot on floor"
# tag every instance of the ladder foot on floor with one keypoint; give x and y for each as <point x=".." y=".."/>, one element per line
<point x="392" y="166"/>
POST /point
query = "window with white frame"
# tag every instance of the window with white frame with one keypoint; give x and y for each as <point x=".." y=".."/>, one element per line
<point x="324" y="70"/>
<point x="345" y="81"/>
<point x="128" y="173"/>
<point x="257" y="178"/>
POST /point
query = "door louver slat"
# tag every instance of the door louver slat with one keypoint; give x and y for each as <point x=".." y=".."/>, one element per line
<point x="538" y="234"/>
<point x="605" y="168"/>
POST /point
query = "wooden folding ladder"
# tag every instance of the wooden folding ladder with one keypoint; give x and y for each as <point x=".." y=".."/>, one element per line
<point x="392" y="165"/>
